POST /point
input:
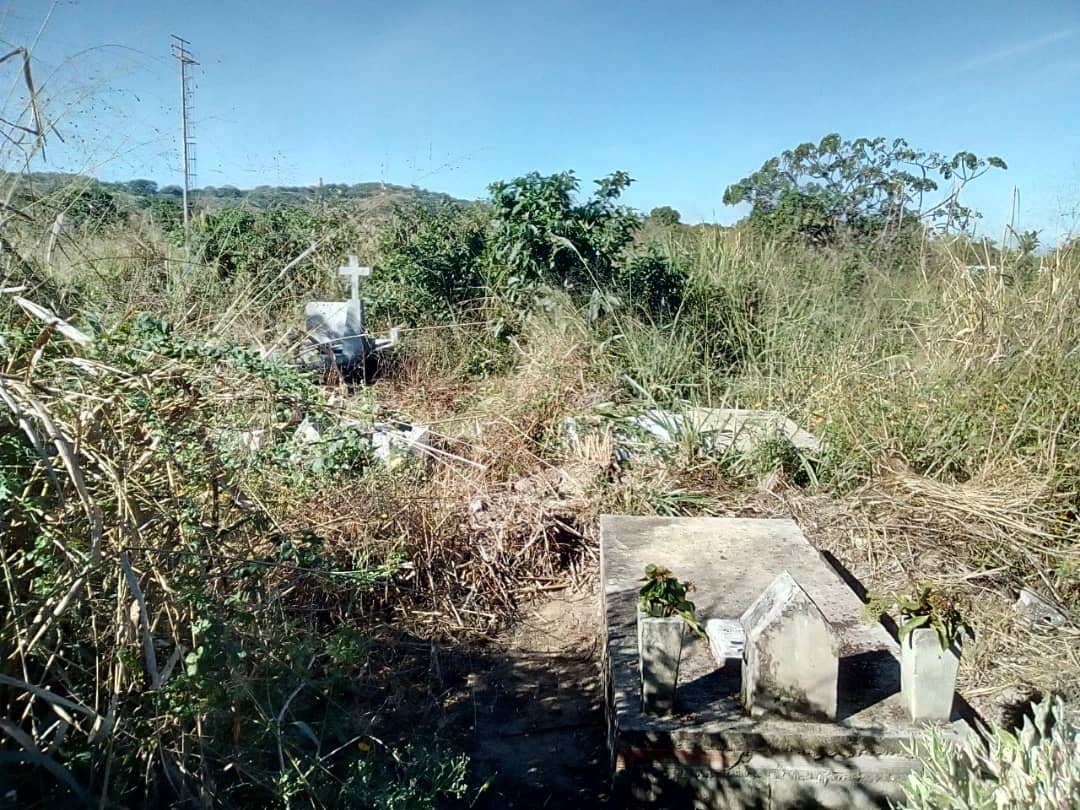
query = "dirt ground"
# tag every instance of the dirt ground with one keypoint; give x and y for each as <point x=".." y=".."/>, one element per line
<point x="534" y="711"/>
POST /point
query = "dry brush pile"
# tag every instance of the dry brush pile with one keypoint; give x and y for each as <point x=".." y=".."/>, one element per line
<point x="198" y="606"/>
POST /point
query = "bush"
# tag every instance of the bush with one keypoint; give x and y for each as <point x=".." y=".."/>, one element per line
<point x="1037" y="768"/>
<point x="431" y="262"/>
<point x="651" y="284"/>
<point x="541" y="235"/>
<point x="240" y="241"/>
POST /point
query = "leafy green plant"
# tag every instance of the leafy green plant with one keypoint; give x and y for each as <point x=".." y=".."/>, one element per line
<point x="651" y="283"/>
<point x="431" y="262"/>
<point x="1037" y="767"/>
<point x="664" y="595"/>
<point x="542" y="235"/>
<point x="412" y="779"/>
<point x="926" y="607"/>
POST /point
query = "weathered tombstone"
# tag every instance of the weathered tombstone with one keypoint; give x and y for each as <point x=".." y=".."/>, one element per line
<point x="790" y="663"/>
<point x="339" y="325"/>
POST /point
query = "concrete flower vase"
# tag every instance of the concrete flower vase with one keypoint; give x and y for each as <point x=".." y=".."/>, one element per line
<point x="928" y="674"/>
<point x="660" y="643"/>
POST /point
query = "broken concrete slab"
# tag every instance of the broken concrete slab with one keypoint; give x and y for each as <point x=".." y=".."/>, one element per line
<point x="1038" y="610"/>
<point x="393" y="443"/>
<point x="707" y="749"/>
<point x="790" y="666"/>
<point x="721" y="428"/>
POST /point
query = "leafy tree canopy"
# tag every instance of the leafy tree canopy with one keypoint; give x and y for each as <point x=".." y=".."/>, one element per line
<point x="665" y="215"/>
<point x="866" y="187"/>
<point x="542" y="234"/>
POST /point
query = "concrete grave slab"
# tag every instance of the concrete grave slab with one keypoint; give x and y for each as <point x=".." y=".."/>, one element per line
<point x="392" y="443"/>
<point x="740" y="428"/>
<point x="711" y="752"/>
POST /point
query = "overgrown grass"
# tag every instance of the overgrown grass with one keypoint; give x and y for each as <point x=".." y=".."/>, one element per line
<point x="946" y="399"/>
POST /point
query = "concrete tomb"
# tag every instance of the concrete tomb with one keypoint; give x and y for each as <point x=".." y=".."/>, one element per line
<point x="792" y="700"/>
<point x="741" y="429"/>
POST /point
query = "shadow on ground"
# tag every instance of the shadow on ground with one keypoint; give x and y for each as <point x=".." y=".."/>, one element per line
<point x="527" y="708"/>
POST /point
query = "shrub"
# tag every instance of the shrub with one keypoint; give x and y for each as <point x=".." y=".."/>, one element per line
<point x="541" y="235"/>
<point x="431" y="262"/>
<point x="244" y="240"/>
<point x="1037" y="767"/>
<point x="651" y="283"/>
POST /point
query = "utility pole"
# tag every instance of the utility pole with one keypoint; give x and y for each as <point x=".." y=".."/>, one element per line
<point x="187" y="141"/>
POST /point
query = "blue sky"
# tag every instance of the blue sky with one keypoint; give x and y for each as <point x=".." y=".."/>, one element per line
<point x="686" y="96"/>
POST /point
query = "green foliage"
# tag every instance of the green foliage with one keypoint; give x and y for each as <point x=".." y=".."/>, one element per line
<point x="771" y="453"/>
<point x="543" y="236"/>
<point x="431" y="263"/>
<point x="244" y="659"/>
<point x="168" y="215"/>
<point x="651" y="283"/>
<point x="1037" y="767"/>
<point x="665" y="216"/>
<point x="867" y="187"/>
<point x="412" y="779"/>
<point x="141" y="188"/>
<point x="247" y="241"/>
<point x="926" y="607"/>
<point x="663" y="595"/>
<point x="87" y="207"/>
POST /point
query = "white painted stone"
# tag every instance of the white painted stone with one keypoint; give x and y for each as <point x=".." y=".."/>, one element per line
<point x="660" y="643"/>
<point x="928" y="675"/>
<point x="727" y="641"/>
<point x="790" y="663"/>
<point x="1037" y="609"/>
<point x="391" y="444"/>
<point x="308" y="433"/>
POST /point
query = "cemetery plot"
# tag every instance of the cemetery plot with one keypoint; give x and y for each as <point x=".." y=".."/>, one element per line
<point x="810" y="715"/>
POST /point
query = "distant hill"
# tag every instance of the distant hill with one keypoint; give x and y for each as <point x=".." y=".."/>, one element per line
<point x="140" y="193"/>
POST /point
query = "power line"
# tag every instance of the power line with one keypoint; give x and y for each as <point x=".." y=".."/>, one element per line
<point x="187" y="137"/>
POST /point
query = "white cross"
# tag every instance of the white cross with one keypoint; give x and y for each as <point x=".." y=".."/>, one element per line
<point x="355" y="272"/>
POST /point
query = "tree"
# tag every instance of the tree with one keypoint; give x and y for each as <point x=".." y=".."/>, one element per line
<point x="141" y="188"/>
<point x="866" y="187"/>
<point x="665" y="216"/>
<point x="541" y="234"/>
<point x="89" y="206"/>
